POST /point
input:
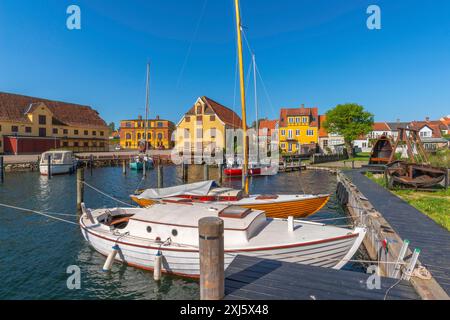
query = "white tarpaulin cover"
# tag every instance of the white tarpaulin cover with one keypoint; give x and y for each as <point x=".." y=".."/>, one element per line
<point x="193" y="189"/>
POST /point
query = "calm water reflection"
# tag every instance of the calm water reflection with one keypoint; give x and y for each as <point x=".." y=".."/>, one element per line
<point x="35" y="251"/>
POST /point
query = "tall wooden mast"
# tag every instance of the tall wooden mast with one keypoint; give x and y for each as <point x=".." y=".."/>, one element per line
<point x="242" y="85"/>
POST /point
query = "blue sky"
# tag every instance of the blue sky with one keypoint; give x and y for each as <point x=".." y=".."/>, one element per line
<point x="316" y="52"/>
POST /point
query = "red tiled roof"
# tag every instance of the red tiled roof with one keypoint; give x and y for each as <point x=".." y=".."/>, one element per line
<point x="13" y="107"/>
<point x="323" y="133"/>
<point x="225" y="114"/>
<point x="311" y="112"/>
<point x="270" y="125"/>
<point x="228" y="116"/>
<point x="380" y="126"/>
<point x="435" y="126"/>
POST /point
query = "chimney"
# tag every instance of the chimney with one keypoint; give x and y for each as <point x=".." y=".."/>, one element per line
<point x="157" y="117"/>
<point x="139" y="117"/>
<point x="398" y="120"/>
<point x="427" y="119"/>
<point x="303" y="106"/>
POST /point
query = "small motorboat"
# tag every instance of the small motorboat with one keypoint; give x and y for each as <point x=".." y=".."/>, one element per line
<point x="61" y="162"/>
<point x="171" y="230"/>
<point x="253" y="170"/>
<point x="275" y="206"/>
<point x="139" y="162"/>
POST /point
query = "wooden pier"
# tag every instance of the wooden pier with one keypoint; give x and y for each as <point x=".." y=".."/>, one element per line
<point x="250" y="278"/>
<point x="409" y="223"/>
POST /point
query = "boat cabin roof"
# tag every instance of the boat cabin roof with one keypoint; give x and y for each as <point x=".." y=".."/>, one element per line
<point x="188" y="214"/>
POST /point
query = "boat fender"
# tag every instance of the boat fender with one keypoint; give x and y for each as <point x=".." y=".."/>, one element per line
<point x="110" y="259"/>
<point x="157" y="267"/>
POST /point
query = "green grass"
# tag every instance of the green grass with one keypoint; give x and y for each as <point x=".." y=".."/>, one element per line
<point x="436" y="204"/>
<point x="361" y="156"/>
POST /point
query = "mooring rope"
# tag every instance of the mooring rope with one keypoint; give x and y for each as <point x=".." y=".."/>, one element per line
<point x="107" y="195"/>
<point x="37" y="212"/>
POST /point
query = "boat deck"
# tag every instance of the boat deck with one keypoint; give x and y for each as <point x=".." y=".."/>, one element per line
<point x="411" y="224"/>
<point x="250" y="278"/>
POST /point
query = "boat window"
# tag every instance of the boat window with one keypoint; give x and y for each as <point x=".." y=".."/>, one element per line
<point x="149" y="229"/>
<point x="174" y="232"/>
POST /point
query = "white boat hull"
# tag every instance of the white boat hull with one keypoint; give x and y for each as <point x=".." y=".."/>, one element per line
<point x="57" y="169"/>
<point x="184" y="261"/>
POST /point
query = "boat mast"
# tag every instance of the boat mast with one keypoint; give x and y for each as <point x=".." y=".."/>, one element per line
<point x="256" y="108"/>
<point x="242" y="85"/>
<point x="147" y="102"/>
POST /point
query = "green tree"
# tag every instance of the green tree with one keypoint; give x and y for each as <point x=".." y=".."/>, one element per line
<point x="112" y="127"/>
<point x="350" y="121"/>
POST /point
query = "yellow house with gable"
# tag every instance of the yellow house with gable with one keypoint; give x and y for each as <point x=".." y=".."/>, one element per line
<point x="204" y="126"/>
<point x="298" y="129"/>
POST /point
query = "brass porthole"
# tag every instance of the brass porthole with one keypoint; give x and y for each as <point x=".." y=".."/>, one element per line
<point x="174" y="232"/>
<point x="149" y="229"/>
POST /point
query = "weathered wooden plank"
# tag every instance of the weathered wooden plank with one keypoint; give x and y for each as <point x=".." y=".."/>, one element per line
<point x="260" y="279"/>
<point x="326" y="288"/>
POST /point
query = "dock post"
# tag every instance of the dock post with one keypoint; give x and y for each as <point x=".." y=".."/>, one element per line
<point x="91" y="163"/>
<point x="2" y="170"/>
<point x="220" y="173"/>
<point x="49" y="167"/>
<point x="80" y="188"/>
<point x="124" y="167"/>
<point x="160" y="176"/>
<point x="205" y="172"/>
<point x="211" y="250"/>
<point x="184" y="172"/>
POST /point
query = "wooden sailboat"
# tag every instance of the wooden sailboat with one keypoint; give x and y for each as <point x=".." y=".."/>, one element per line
<point x="281" y="206"/>
<point x="170" y="229"/>
<point x="275" y="206"/>
<point x="142" y="162"/>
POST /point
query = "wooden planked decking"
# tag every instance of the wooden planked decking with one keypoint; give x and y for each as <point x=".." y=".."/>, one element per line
<point x="411" y="224"/>
<point x="250" y="278"/>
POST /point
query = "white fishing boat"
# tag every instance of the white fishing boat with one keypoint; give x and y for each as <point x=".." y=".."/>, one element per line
<point x="171" y="230"/>
<point x="61" y="162"/>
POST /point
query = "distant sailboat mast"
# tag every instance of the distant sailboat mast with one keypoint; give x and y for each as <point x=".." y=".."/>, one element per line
<point x="147" y="102"/>
<point x="256" y="109"/>
<point x="242" y="85"/>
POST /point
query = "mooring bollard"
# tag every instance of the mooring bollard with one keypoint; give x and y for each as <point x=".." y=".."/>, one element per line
<point x="80" y="188"/>
<point x="2" y="170"/>
<point x="160" y="176"/>
<point x="205" y="172"/>
<point x="49" y="166"/>
<point x="211" y="250"/>
<point x="185" y="172"/>
<point x="124" y="167"/>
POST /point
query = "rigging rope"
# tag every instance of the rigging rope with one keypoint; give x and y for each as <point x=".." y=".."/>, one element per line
<point x="107" y="195"/>
<point x="194" y="37"/>
<point x="37" y="212"/>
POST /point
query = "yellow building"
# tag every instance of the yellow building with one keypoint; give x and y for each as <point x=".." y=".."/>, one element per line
<point x="159" y="133"/>
<point x="204" y="126"/>
<point x="35" y="125"/>
<point x="298" y="129"/>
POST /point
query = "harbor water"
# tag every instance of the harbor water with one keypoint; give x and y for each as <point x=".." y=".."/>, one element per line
<point x="36" y="251"/>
